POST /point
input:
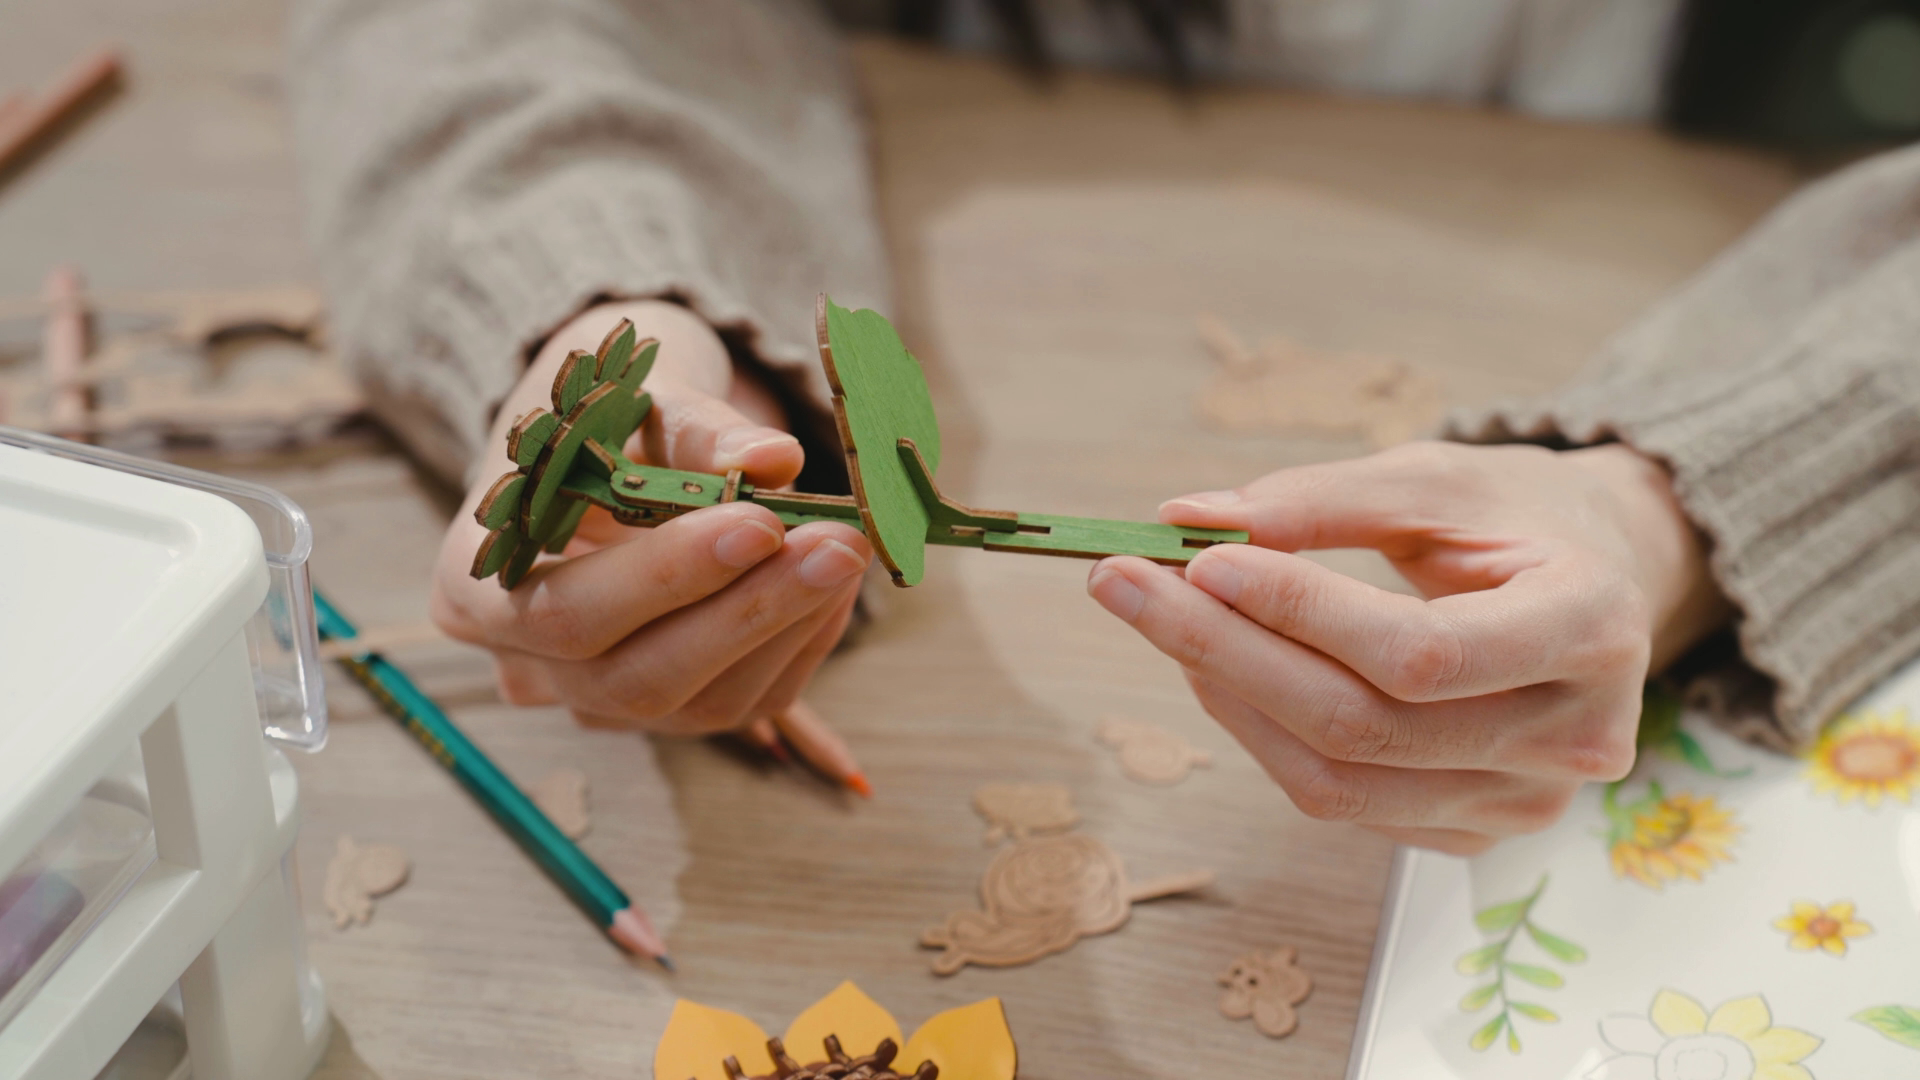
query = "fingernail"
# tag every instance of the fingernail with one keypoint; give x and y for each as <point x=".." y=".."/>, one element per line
<point x="1204" y="499"/>
<point x="735" y="445"/>
<point x="830" y="563"/>
<point x="746" y="544"/>
<point x="1216" y="575"/>
<point x="1115" y="593"/>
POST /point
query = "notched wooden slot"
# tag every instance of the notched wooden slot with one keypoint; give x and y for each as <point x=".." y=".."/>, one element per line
<point x="691" y="488"/>
<point x="1035" y="530"/>
<point x="633" y="481"/>
<point x="1197" y="542"/>
<point x="966" y="530"/>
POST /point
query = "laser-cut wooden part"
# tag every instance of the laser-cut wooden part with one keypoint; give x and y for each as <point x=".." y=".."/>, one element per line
<point x="1149" y="753"/>
<point x="1022" y="810"/>
<point x="1042" y="895"/>
<point x="358" y="873"/>
<point x="574" y="458"/>
<point x="880" y="397"/>
<point x="562" y="796"/>
<point x="1266" y="985"/>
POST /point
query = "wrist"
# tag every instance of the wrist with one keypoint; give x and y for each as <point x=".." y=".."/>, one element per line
<point x="1669" y="555"/>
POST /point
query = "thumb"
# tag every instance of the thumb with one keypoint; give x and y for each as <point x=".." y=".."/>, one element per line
<point x="693" y="430"/>
<point x="1364" y="502"/>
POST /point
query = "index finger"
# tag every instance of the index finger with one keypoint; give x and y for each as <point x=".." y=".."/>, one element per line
<point x="579" y="607"/>
<point x="1555" y="620"/>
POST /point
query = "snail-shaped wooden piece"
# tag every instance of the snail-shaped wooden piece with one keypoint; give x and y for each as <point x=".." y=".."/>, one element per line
<point x="1266" y="986"/>
<point x="357" y="874"/>
<point x="1023" y="810"/>
<point x="1150" y="754"/>
<point x="1042" y="895"/>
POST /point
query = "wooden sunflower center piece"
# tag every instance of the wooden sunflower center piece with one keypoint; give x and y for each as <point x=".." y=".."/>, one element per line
<point x="839" y="1065"/>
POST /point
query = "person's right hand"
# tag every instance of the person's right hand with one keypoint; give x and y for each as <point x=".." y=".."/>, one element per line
<point x="709" y="622"/>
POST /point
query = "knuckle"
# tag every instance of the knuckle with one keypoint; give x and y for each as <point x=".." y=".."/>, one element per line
<point x="1541" y="811"/>
<point x="1356" y="730"/>
<point x="1603" y="746"/>
<point x="1325" y="795"/>
<point x="557" y="629"/>
<point x="1191" y="644"/>
<point x="1428" y="666"/>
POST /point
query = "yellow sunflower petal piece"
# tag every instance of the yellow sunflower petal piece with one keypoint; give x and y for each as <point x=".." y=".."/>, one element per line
<point x="1856" y="928"/>
<point x="1782" y="1046"/>
<point x="1806" y="909"/>
<point x="699" y="1037"/>
<point x="971" y="1042"/>
<point x="1673" y="1012"/>
<point x="847" y="1013"/>
<point x="1782" y="1072"/>
<point x="1742" y="1018"/>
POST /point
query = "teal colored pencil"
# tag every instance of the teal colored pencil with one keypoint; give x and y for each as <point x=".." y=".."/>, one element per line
<point x="537" y="835"/>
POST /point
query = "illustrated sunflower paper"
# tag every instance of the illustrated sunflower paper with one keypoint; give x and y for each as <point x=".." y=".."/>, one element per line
<point x="1724" y="913"/>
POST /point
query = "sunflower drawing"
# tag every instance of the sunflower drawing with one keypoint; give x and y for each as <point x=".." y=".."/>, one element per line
<point x="1660" y="838"/>
<point x="1811" y="926"/>
<point x="1868" y="756"/>
<point x="1679" y="1040"/>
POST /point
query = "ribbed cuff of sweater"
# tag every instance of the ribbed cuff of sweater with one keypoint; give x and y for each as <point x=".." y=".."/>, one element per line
<point x="495" y="289"/>
<point x="1806" y="480"/>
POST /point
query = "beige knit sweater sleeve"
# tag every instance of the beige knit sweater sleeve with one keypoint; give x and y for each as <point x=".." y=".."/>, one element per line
<point x="1782" y="388"/>
<point x="479" y="171"/>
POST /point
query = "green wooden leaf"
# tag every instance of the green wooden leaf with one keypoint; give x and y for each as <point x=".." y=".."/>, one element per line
<point x="574" y="379"/>
<point x="1538" y="976"/>
<point x="1478" y="999"/>
<point x="1562" y="949"/>
<point x="1480" y="959"/>
<point x="530" y="436"/>
<point x="1535" y="1012"/>
<point x="1501" y="917"/>
<point x="500" y="506"/>
<point x="494" y="552"/>
<point x="1488" y="1032"/>
<point x="1901" y="1023"/>
<point x="617" y="354"/>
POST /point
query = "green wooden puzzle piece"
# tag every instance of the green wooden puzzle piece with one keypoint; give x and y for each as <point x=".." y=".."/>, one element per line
<point x="880" y="397"/>
<point x="573" y="458"/>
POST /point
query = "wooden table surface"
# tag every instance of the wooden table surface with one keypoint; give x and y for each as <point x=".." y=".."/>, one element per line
<point x="1053" y="251"/>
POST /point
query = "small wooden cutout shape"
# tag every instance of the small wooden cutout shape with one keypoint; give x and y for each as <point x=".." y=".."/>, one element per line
<point x="1151" y="754"/>
<point x="359" y="873"/>
<point x="562" y="796"/>
<point x="1285" y="386"/>
<point x="1021" y="810"/>
<point x="1265" y="985"/>
<point x="1041" y="896"/>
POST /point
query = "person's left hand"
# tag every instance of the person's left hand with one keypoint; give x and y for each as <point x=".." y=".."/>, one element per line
<point x="1446" y="722"/>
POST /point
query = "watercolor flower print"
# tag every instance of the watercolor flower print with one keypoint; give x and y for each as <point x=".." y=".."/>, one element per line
<point x="1679" y="1040"/>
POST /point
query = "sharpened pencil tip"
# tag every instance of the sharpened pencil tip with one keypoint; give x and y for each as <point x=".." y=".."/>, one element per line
<point x="636" y="935"/>
<point x="858" y="782"/>
<point x="666" y="961"/>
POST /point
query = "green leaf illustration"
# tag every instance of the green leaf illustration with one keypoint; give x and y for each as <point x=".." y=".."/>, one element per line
<point x="1478" y="998"/>
<point x="1563" y="950"/>
<point x="1538" y="976"/>
<point x="1900" y="1023"/>
<point x="1535" y="1012"/>
<point x="1501" y="917"/>
<point x="1513" y="1039"/>
<point x="1695" y="755"/>
<point x="1488" y="1032"/>
<point x="1480" y="959"/>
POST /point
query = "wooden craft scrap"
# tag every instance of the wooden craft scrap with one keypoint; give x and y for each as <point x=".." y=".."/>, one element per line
<point x="1042" y="895"/>
<point x="1023" y="810"/>
<point x="357" y="874"/>
<point x="25" y="120"/>
<point x="1284" y="386"/>
<point x="573" y="457"/>
<point x="562" y="796"/>
<point x="63" y="355"/>
<point x="1151" y="754"/>
<point x="1266" y="985"/>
